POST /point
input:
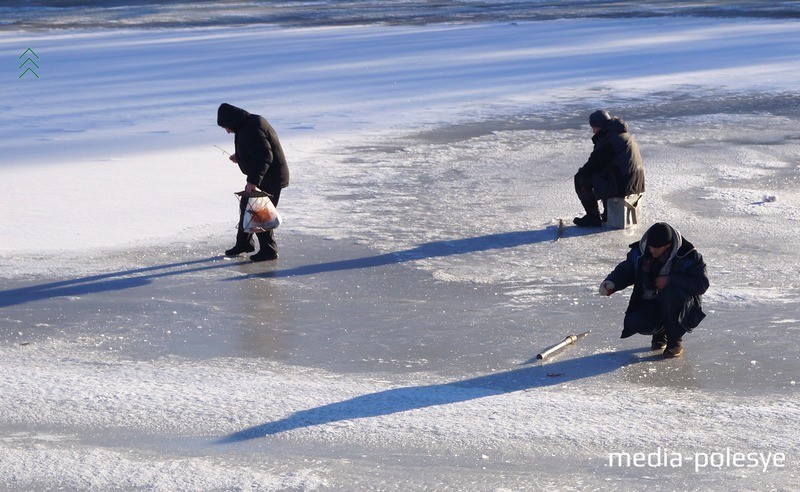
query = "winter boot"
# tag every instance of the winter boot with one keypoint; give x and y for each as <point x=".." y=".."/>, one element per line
<point x="674" y="349"/>
<point x="268" y="250"/>
<point x="243" y="245"/>
<point x="659" y="341"/>
<point x="588" y="220"/>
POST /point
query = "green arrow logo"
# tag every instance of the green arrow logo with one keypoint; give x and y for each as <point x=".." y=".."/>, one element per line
<point x="29" y="61"/>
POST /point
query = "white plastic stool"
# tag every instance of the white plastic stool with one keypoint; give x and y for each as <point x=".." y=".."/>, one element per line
<point x="624" y="212"/>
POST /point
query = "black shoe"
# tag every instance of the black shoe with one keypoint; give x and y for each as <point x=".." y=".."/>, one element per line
<point x="674" y="349"/>
<point x="659" y="341"/>
<point x="588" y="221"/>
<point x="264" y="255"/>
<point x="237" y="250"/>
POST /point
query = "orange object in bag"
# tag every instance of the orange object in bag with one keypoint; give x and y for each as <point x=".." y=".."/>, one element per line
<point x="260" y="214"/>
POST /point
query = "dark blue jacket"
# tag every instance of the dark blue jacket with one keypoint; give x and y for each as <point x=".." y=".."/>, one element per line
<point x="687" y="272"/>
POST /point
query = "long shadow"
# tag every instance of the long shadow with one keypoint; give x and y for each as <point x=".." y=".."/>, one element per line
<point x="106" y="282"/>
<point x="128" y="279"/>
<point x="415" y="397"/>
<point x="428" y="250"/>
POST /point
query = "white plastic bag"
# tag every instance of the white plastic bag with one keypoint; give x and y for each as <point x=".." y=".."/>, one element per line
<point x="260" y="214"/>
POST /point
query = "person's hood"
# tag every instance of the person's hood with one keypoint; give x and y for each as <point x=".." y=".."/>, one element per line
<point x="229" y="116"/>
<point x="616" y="125"/>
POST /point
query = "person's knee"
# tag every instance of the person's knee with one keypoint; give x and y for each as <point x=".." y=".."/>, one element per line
<point x="629" y="327"/>
<point x="640" y="323"/>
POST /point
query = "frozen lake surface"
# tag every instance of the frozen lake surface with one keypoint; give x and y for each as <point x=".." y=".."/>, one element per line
<point x="70" y="14"/>
<point x="392" y="346"/>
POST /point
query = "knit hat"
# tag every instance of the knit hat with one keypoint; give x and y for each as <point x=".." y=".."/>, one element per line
<point x="599" y="118"/>
<point x="659" y="234"/>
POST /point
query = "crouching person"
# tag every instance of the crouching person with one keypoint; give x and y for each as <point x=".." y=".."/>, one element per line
<point x="669" y="277"/>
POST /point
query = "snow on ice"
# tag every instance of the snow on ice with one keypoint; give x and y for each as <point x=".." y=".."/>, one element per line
<point x="390" y="347"/>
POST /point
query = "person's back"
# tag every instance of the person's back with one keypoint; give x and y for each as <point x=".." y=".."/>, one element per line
<point x="259" y="153"/>
<point x="626" y="163"/>
<point x="260" y="157"/>
<point x="614" y="169"/>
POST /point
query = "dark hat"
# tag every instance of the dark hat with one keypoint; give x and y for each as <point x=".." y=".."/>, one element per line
<point x="659" y="234"/>
<point x="599" y="118"/>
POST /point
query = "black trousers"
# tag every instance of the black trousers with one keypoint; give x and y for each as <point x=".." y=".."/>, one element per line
<point x="265" y="239"/>
<point x="657" y="315"/>
<point x="584" y="190"/>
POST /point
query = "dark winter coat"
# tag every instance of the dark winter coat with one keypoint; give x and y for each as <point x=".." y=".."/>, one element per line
<point x="615" y="165"/>
<point x="258" y="150"/>
<point x="687" y="272"/>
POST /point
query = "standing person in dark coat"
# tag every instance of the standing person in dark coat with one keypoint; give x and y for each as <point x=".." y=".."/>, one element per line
<point x="614" y="168"/>
<point x="669" y="278"/>
<point x="260" y="157"/>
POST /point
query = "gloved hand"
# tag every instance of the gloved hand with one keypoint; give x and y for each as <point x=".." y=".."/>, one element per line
<point x="606" y="288"/>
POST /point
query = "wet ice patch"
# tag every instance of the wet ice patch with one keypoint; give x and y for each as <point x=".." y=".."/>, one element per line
<point x="749" y="202"/>
<point x="719" y="295"/>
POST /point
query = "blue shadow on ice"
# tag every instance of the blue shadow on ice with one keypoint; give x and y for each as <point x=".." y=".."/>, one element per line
<point x="416" y="397"/>
<point x="128" y="279"/>
<point x="433" y="249"/>
<point x="106" y="282"/>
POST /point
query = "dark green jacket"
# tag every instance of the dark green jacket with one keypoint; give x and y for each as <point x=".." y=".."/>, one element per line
<point x="615" y="164"/>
